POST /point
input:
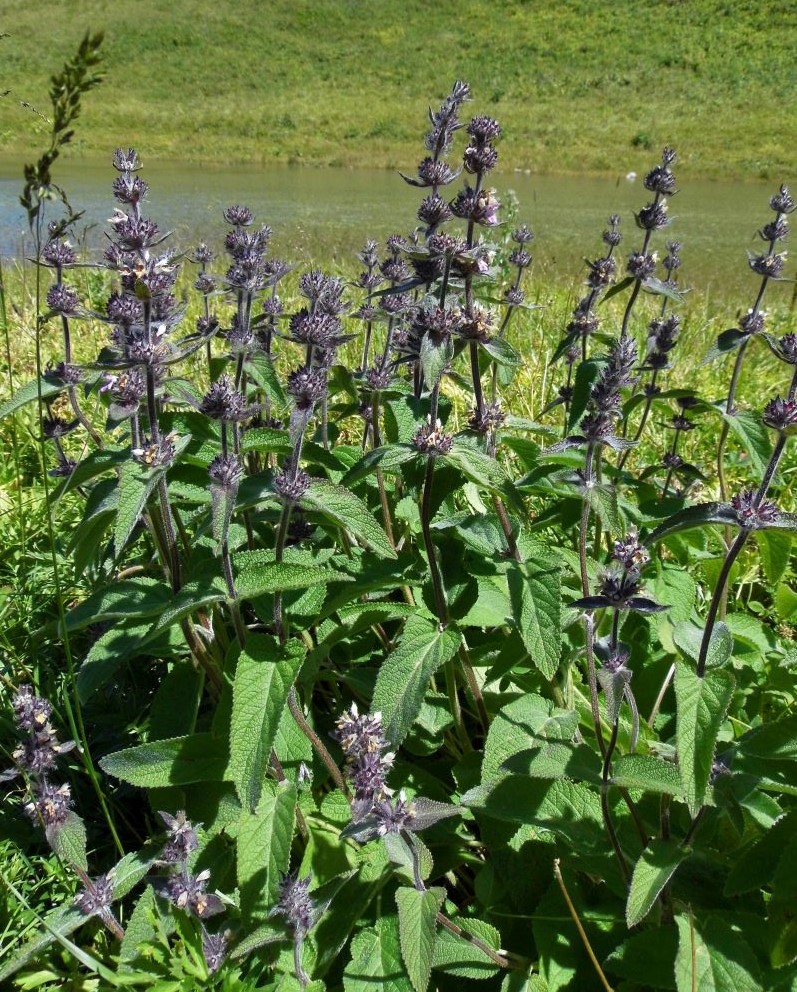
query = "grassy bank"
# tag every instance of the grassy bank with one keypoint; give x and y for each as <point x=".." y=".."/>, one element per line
<point x="579" y="87"/>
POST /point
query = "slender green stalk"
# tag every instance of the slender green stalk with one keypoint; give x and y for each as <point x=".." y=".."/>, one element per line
<point x="74" y="711"/>
<point x="557" y="871"/>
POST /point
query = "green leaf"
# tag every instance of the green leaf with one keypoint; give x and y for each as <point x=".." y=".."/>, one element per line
<point x="536" y="596"/>
<point x="389" y="457"/>
<point x="264" y="849"/>
<point x="776" y="740"/>
<point x="774" y="549"/>
<point x="658" y="288"/>
<point x="784" y="950"/>
<point x="694" y="516"/>
<point x="174" y="761"/>
<point x="753" y="434"/>
<point x="64" y="921"/>
<point x="568" y="809"/>
<point x="701" y="707"/>
<point x="477" y="466"/>
<point x="269" y="439"/>
<point x="650" y="953"/>
<point x="713" y="957"/>
<point x="266" y="933"/>
<point x="194" y="596"/>
<point x="349" y="512"/>
<point x="139" y="930"/>
<point x="602" y="500"/>
<point x="653" y="870"/>
<point x="222" y="506"/>
<point x="94" y="464"/>
<point x="403" y="677"/>
<point x="557" y="759"/>
<point x="407" y="854"/>
<point x="502" y="352"/>
<point x="29" y="392"/>
<point x="108" y="653"/>
<point x="750" y="634"/>
<point x="128" y="872"/>
<point x="418" y="930"/>
<point x="136" y="484"/>
<point x="458" y="956"/>
<point x="643" y="771"/>
<point x="139" y="597"/>
<point x="676" y="588"/>
<point x="688" y="637"/>
<point x="68" y="841"/>
<point x="261" y="370"/>
<point x="376" y="960"/>
<point x="264" y="676"/>
<point x="280" y="576"/>
<point x="586" y="374"/>
<point x="524" y="723"/>
<point x="434" y="359"/>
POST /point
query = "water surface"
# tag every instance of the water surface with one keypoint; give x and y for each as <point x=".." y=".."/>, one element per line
<point x="325" y="215"/>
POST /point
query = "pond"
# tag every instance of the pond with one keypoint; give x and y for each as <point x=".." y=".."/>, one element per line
<point x="323" y="216"/>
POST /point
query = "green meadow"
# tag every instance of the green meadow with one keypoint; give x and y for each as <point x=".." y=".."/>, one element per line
<point x="578" y="87"/>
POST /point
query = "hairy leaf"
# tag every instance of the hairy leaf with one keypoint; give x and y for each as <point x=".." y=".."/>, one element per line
<point x="713" y="957"/>
<point x="535" y="593"/>
<point x="456" y="955"/>
<point x="264" y="848"/>
<point x="175" y="761"/>
<point x="135" y="486"/>
<point x="29" y="392"/>
<point x="753" y="434"/>
<point x="139" y="597"/>
<point x="774" y="549"/>
<point x="694" y="516"/>
<point x="68" y="841"/>
<point x="688" y="637"/>
<point x="264" y="675"/>
<point x="347" y="511"/>
<point x="434" y="359"/>
<point x="643" y="771"/>
<point x="653" y="870"/>
<point x="260" y="368"/>
<point x="280" y="576"/>
<point x="650" y="953"/>
<point x="376" y="960"/>
<point x="702" y="704"/>
<point x="403" y="677"/>
<point x="417" y="913"/>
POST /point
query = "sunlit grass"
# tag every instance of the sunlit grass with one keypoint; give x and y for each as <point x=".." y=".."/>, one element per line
<point x="578" y="87"/>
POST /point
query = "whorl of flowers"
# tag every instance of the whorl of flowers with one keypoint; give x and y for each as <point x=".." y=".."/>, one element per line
<point x="368" y="759"/>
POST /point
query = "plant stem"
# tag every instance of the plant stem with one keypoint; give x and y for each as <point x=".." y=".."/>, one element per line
<point x="315" y="740"/>
<point x="437" y="583"/>
<point x="495" y="956"/>
<point x="607" y="816"/>
<point x="588" y="621"/>
<point x="581" y="932"/>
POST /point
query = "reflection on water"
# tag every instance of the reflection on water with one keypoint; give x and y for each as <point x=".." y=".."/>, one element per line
<point x="324" y="216"/>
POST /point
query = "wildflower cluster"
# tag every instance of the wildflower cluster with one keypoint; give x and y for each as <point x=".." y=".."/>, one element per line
<point x="35" y="758"/>
<point x="368" y="759"/>
<point x="189" y="891"/>
<point x="770" y="264"/>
